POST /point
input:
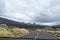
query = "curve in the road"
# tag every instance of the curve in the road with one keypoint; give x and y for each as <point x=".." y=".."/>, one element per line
<point x="40" y="35"/>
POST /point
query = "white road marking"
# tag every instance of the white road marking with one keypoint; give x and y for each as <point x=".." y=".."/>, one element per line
<point x="37" y="35"/>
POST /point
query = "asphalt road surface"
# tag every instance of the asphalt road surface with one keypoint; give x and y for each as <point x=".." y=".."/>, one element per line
<point x="39" y="35"/>
<point x="31" y="35"/>
<point x="34" y="36"/>
<point x="44" y="35"/>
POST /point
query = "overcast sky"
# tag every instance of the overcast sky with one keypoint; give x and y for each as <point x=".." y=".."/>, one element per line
<point x="45" y="12"/>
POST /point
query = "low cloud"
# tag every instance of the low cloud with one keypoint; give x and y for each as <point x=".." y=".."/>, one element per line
<point x="39" y="11"/>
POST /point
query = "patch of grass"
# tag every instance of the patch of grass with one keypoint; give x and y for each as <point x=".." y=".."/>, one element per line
<point x="56" y="33"/>
<point x="19" y="31"/>
<point x="5" y="33"/>
<point x="38" y="30"/>
<point x="57" y="29"/>
<point x="4" y="26"/>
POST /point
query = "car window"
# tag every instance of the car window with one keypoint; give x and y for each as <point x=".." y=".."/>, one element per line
<point x="33" y="19"/>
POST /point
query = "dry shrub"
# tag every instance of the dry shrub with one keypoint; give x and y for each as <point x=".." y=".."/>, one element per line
<point x="57" y="29"/>
<point x="5" y="33"/>
<point x="38" y="30"/>
<point x="19" y="31"/>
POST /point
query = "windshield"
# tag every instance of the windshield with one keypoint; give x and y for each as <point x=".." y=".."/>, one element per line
<point x="22" y="17"/>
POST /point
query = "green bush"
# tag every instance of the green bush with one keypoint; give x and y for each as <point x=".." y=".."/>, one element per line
<point x="4" y="26"/>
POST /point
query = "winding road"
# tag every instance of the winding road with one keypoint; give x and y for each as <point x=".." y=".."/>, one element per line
<point x="39" y="35"/>
<point x="34" y="36"/>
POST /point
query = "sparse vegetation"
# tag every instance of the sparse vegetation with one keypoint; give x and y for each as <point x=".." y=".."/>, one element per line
<point x="38" y="30"/>
<point x="56" y="33"/>
<point x="19" y="31"/>
<point x="5" y="31"/>
<point x="46" y="29"/>
<point x="50" y="30"/>
<point x="4" y="26"/>
<point x="57" y="29"/>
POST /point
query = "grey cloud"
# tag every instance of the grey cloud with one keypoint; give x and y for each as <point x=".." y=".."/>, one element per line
<point x="41" y="11"/>
<point x="2" y="7"/>
<point x="54" y="9"/>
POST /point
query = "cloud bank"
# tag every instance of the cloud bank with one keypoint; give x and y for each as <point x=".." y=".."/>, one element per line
<point x="39" y="11"/>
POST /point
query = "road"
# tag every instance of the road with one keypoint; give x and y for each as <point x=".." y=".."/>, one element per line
<point x="44" y="35"/>
<point x="39" y="35"/>
<point x="34" y="36"/>
<point x="31" y="35"/>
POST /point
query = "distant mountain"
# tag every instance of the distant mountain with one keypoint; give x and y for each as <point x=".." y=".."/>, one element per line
<point x="22" y="24"/>
<point x="18" y="24"/>
<point x="57" y="26"/>
<point x="8" y="22"/>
